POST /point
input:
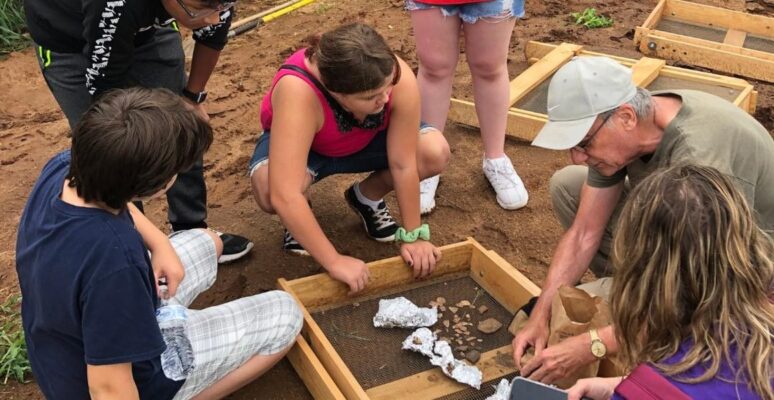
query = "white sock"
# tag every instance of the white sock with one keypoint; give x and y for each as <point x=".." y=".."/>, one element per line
<point x="374" y="204"/>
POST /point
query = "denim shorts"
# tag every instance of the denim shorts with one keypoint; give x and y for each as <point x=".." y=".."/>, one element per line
<point x="373" y="157"/>
<point x="470" y="13"/>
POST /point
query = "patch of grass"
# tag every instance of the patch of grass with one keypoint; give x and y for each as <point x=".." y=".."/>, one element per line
<point x="12" y="26"/>
<point x="14" y="362"/>
<point x="590" y="19"/>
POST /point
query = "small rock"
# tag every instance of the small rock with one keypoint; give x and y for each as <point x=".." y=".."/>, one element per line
<point x="417" y="340"/>
<point x="356" y="304"/>
<point x="463" y="348"/>
<point x="442" y="308"/>
<point x="470" y="339"/>
<point x="489" y="325"/>
<point x="446" y="323"/>
<point x="483" y="309"/>
<point x="453" y="309"/>
<point x="473" y="356"/>
<point x="456" y="319"/>
<point x="479" y="340"/>
<point x="467" y="316"/>
<point x="441" y="301"/>
<point x="463" y="303"/>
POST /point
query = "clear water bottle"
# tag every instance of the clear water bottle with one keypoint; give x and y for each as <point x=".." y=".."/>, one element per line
<point x="177" y="360"/>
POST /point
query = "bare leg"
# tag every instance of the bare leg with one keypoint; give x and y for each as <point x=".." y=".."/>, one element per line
<point x="486" y="46"/>
<point x="438" y="51"/>
<point x="432" y="157"/>
<point x="261" y="192"/>
<point x="238" y="378"/>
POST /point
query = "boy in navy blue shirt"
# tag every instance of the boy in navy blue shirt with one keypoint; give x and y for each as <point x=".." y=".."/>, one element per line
<point x="89" y="262"/>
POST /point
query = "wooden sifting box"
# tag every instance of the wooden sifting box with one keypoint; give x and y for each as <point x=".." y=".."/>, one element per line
<point x="529" y="90"/>
<point x="338" y="328"/>
<point x="717" y="38"/>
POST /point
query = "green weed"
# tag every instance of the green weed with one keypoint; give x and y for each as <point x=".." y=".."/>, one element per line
<point x="12" y="26"/>
<point x="590" y="19"/>
<point x="14" y="362"/>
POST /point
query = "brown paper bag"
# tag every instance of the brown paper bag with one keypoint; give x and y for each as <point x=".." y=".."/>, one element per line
<point x="575" y="312"/>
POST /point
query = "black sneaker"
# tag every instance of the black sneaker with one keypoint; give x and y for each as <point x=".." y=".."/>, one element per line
<point x="290" y="244"/>
<point x="378" y="223"/>
<point x="234" y="247"/>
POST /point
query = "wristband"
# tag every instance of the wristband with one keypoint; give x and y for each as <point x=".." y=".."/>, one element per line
<point x="402" y="235"/>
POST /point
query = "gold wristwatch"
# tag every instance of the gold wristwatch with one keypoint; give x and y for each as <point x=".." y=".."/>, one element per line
<point x="598" y="348"/>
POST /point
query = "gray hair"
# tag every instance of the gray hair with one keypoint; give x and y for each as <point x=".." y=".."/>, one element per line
<point x="642" y="103"/>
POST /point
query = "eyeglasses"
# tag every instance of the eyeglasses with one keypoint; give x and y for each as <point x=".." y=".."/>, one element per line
<point x="212" y="7"/>
<point x="584" y="144"/>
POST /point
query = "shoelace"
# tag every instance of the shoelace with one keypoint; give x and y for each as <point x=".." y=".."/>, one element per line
<point x="289" y="239"/>
<point x="382" y="218"/>
<point x="508" y="174"/>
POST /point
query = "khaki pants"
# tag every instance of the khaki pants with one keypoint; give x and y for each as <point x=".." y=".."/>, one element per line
<point x="565" y="195"/>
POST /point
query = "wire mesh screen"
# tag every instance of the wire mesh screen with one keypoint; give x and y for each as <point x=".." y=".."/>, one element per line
<point x="374" y="355"/>
<point x="670" y="83"/>
<point x="688" y="29"/>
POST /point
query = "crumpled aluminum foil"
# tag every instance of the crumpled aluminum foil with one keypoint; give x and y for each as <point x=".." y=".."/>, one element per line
<point x="502" y="391"/>
<point x="456" y="369"/>
<point x="422" y="341"/>
<point x="402" y="313"/>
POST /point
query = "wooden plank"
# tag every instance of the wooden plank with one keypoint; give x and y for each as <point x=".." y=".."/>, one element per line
<point x="709" y="44"/>
<point x="735" y="38"/>
<point x="325" y="352"/>
<point x="709" y="58"/>
<point x="650" y="22"/>
<point x="320" y="290"/>
<point x="433" y="384"/>
<point x="521" y="124"/>
<point x="719" y="17"/>
<point x="312" y="373"/>
<point x="537" y="50"/>
<point x="743" y="100"/>
<point x="646" y="70"/>
<point x="540" y="71"/>
<point x="501" y="280"/>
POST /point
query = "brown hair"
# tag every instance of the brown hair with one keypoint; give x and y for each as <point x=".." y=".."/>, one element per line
<point x="693" y="267"/>
<point x="131" y="142"/>
<point x="353" y="58"/>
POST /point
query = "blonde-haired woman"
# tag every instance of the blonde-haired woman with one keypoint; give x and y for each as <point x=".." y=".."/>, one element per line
<point x="691" y="292"/>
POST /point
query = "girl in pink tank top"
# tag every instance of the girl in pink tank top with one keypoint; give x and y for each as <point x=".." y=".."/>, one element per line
<point x="347" y="104"/>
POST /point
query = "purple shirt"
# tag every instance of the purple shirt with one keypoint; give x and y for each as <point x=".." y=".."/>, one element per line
<point x="721" y="386"/>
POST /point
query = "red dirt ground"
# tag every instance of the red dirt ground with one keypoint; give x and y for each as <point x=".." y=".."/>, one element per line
<point x="32" y="129"/>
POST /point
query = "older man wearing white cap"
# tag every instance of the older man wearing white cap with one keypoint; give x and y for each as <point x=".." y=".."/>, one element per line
<point x="624" y="133"/>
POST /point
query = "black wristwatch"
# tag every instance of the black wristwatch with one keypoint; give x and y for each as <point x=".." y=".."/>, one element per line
<point x="196" y="98"/>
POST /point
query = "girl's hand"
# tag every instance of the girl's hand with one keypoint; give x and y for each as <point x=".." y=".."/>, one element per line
<point x="594" y="388"/>
<point x="422" y="256"/>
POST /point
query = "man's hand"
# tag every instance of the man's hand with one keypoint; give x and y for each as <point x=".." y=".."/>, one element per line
<point x="560" y="360"/>
<point x="166" y="264"/>
<point x="593" y="388"/>
<point x="534" y="334"/>
<point x="198" y="109"/>
<point x="351" y="271"/>
<point x="422" y="256"/>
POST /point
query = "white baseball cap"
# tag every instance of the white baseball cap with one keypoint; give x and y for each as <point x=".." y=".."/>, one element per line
<point x="579" y="91"/>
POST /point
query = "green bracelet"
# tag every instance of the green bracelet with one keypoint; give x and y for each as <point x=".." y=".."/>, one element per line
<point x="423" y="232"/>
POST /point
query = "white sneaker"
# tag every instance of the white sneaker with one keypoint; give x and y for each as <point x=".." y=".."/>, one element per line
<point x="511" y="193"/>
<point x="427" y="189"/>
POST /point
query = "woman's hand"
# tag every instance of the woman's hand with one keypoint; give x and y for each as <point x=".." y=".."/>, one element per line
<point x="420" y="255"/>
<point x="594" y="388"/>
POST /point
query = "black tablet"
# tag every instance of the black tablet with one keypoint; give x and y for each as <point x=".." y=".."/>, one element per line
<point x="527" y="389"/>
